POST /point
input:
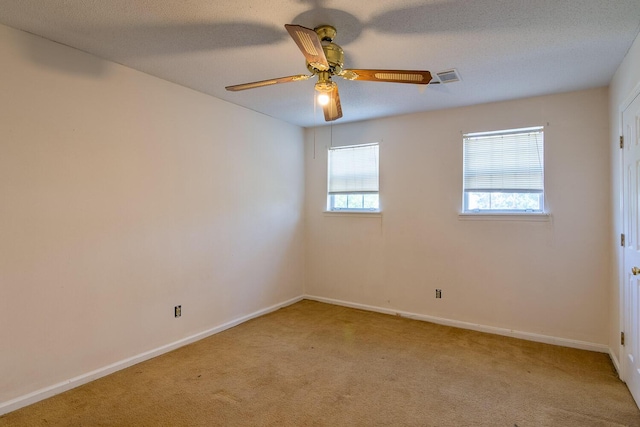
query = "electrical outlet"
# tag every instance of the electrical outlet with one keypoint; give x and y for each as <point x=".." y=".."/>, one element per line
<point x="438" y="293"/>
<point x="177" y="310"/>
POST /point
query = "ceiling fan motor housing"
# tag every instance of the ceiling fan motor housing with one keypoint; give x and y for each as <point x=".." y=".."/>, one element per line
<point x="333" y="52"/>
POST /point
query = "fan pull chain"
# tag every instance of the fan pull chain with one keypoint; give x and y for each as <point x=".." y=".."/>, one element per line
<point x="331" y="141"/>
<point x="315" y="125"/>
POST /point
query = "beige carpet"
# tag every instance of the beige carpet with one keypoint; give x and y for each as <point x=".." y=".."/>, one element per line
<point x="314" y="364"/>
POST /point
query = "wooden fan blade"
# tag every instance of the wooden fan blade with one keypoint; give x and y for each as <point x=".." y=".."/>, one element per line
<point x="393" y="76"/>
<point x="309" y="44"/>
<point x="270" y="82"/>
<point x="333" y="110"/>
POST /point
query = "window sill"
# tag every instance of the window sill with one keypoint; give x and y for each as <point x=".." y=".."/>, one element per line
<point x="361" y="214"/>
<point x="505" y="216"/>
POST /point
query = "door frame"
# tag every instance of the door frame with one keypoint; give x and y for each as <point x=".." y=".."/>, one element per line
<point x="622" y="363"/>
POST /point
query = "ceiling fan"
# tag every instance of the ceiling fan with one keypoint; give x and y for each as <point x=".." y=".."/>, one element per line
<point x="325" y="59"/>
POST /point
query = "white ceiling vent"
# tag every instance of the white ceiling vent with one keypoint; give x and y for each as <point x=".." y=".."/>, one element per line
<point x="449" y="76"/>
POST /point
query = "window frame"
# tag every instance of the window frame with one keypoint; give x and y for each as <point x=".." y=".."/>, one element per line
<point x="330" y="206"/>
<point x="465" y="195"/>
<point x="466" y="211"/>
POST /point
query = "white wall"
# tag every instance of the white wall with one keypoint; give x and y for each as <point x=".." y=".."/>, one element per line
<point x="549" y="278"/>
<point x="123" y="195"/>
<point x="625" y="82"/>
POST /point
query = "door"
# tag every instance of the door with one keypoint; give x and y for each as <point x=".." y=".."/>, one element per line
<point x="631" y="258"/>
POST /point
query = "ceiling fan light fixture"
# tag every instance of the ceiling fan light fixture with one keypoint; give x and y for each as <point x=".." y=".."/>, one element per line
<point x="324" y="89"/>
<point x="324" y="86"/>
<point x="323" y="98"/>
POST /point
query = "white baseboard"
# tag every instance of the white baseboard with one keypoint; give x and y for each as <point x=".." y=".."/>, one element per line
<point x="582" y="345"/>
<point x="616" y="363"/>
<point x="38" y="395"/>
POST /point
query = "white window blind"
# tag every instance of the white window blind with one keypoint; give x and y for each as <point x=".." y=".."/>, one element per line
<point x="507" y="161"/>
<point x="353" y="169"/>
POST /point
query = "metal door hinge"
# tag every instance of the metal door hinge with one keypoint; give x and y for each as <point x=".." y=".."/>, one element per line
<point x="622" y="240"/>
<point x="621" y="338"/>
<point x="621" y="141"/>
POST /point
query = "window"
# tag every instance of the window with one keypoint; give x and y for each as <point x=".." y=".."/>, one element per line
<point x="504" y="171"/>
<point x="353" y="178"/>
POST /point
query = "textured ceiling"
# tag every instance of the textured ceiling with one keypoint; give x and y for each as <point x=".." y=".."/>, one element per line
<point x="502" y="49"/>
